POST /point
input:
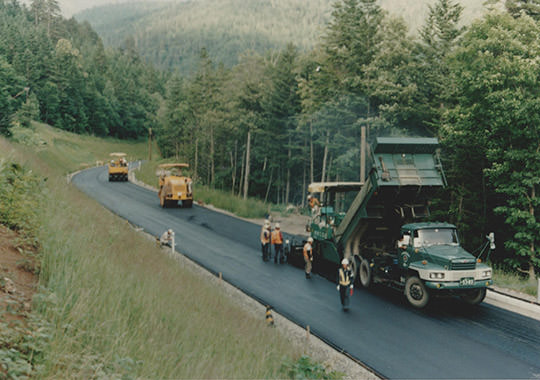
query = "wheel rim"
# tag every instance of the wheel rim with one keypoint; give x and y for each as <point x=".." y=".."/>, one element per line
<point x="416" y="292"/>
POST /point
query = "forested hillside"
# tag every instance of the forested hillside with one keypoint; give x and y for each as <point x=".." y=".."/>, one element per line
<point x="58" y="71"/>
<point x="171" y="34"/>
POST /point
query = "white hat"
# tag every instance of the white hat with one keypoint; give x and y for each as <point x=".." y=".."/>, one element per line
<point x="345" y="262"/>
<point x="277" y="226"/>
<point x="310" y="239"/>
<point x="169" y="231"/>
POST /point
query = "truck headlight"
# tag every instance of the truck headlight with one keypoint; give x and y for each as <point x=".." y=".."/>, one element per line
<point x="486" y="273"/>
<point x="436" y="275"/>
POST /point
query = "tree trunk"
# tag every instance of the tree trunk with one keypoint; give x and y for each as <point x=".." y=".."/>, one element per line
<point x="269" y="185"/>
<point x="212" y="165"/>
<point x="325" y="155"/>
<point x="248" y="152"/>
<point x="288" y="185"/>
<point x="532" y="274"/>
<point x="240" y="184"/>
<point x="195" y="166"/>
<point x="304" y="180"/>
<point x="311" y="151"/>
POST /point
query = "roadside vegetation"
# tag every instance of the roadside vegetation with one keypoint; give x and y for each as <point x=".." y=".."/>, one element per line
<point x="222" y="199"/>
<point x="110" y="303"/>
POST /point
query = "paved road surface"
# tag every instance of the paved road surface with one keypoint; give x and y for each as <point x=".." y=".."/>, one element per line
<point x="446" y="340"/>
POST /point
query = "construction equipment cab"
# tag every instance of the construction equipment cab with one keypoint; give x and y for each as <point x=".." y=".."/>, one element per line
<point x="118" y="167"/>
<point x="175" y="189"/>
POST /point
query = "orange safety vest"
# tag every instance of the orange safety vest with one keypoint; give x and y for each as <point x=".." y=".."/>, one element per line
<point x="313" y="201"/>
<point x="307" y="251"/>
<point x="265" y="236"/>
<point x="277" y="237"/>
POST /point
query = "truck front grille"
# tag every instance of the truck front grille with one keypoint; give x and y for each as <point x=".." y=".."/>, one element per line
<point x="462" y="266"/>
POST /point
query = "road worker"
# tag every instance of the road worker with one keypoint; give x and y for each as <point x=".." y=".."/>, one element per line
<point x="265" y="240"/>
<point x="308" y="256"/>
<point x="166" y="238"/>
<point x="403" y="241"/>
<point x="277" y="242"/>
<point x="314" y="205"/>
<point x="345" y="283"/>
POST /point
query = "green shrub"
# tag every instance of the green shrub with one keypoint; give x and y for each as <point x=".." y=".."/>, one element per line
<point x="305" y="368"/>
<point x="21" y="193"/>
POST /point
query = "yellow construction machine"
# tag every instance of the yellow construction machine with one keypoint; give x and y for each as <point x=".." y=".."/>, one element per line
<point x="118" y="167"/>
<point x="175" y="189"/>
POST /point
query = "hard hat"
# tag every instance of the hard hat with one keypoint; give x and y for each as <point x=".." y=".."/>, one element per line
<point x="345" y="262"/>
<point x="266" y="221"/>
<point x="309" y="196"/>
<point x="169" y="231"/>
<point x="310" y="239"/>
<point x="277" y="226"/>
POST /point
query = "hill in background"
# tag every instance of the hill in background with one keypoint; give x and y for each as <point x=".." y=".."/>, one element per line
<point x="171" y="34"/>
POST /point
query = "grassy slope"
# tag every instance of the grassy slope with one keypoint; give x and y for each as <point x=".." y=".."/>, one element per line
<point x="117" y="305"/>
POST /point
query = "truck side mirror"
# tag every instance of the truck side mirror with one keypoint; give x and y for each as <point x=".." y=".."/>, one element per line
<point x="491" y="238"/>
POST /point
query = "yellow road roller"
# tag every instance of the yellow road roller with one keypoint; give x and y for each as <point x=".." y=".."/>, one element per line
<point x="118" y="167"/>
<point x="175" y="189"/>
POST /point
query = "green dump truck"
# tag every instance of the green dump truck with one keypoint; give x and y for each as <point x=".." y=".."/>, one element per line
<point x="384" y="232"/>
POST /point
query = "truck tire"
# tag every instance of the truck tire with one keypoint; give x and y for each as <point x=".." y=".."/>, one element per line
<point x="188" y="203"/>
<point x="365" y="274"/>
<point x="473" y="296"/>
<point x="416" y="292"/>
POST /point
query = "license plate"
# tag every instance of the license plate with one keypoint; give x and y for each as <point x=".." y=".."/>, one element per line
<point x="466" y="281"/>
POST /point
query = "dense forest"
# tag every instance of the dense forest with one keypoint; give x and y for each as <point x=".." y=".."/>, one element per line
<point x="170" y="34"/>
<point x="58" y="71"/>
<point x="275" y="121"/>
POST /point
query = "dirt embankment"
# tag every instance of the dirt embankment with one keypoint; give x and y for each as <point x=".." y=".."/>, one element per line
<point x="18" y="278"/>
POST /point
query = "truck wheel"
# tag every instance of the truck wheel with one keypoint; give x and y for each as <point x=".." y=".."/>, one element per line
<point x="365" y="273"/>
<point x="187" y="203"/>
<point x="416" y="292"/>
<point x="473" y="296"/>
<point x="110" y="178"/>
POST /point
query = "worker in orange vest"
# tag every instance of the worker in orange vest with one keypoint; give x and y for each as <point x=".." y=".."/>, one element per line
<point x="308" y="256"/>
<point x="277" y="242"/>
<point x="265" y="241"/>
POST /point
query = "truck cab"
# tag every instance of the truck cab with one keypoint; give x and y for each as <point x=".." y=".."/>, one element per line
<point x="433" y="259"/>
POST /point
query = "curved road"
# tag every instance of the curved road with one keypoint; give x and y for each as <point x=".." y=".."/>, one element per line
<point x="446" y="340"/>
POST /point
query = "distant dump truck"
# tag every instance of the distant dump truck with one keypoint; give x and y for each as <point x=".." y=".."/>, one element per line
<point x="118" y="167"/>
<point x="384" y="232"/>
<point x="175" y="189"/>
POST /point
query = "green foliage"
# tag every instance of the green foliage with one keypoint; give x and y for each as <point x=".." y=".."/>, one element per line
<point x="23" y="347"/>
<point x="21" y="192"/>
<point x="171" y="35"/>
<point x="305" y="368"/>
<point x="57" y="71"/>
<point x="497" y="122"/>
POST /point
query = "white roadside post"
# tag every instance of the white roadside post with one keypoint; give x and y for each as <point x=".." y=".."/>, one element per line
<point x="172" y="243"/>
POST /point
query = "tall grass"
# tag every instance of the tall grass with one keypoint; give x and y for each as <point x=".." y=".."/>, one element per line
<point x="504" y="278"/>
<point x="118" y="307"/>
<point x="250" y="208"/>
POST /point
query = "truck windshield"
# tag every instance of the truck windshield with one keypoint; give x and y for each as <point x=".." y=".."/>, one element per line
<point x="435" y="236"/>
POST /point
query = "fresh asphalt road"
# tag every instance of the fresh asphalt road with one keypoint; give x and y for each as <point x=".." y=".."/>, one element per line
<point x="446" y="340"/>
